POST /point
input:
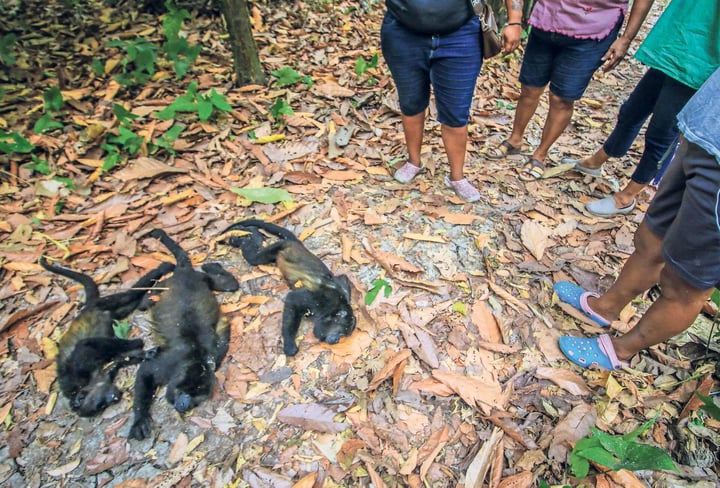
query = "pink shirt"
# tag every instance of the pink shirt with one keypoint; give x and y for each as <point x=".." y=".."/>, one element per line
<point x="581" y="19"/>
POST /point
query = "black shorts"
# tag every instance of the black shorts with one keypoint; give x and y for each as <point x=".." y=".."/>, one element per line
<point x="685" y="213"/>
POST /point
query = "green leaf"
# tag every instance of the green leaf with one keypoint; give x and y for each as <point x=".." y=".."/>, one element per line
<point x="173" y="20"/>
<point x="280" y="107"/>
<point x="377" y="286"/>
<point x="123" y="115"/>
<point x="709" y="405"/>
<point x="53" y="99"/>
<point x="715" y="297"/>
<point x="66" y="181"/>
<point x="18" y="145"/>
<point x="286" y="76"/>
<point x="361" y="66"/>
<point x="644" y="456"/>
<point x="460" y="307"/>
<point x="219" y="101"/>
<point x="7" y="46"/>
<point x="644" y="428"/>
<point x="46" y="123"/>
<point x="615" y="445"/>
<point x="39" y="165"/>
<point x="579" y="465"/>
<point x="121" y="329"/>
<point x="98" y="67"/>
<point x="263" y="195"/>
<point x="205" y="109"/>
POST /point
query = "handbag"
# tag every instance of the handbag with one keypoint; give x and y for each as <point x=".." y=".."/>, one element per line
<point x="491" y="42"/>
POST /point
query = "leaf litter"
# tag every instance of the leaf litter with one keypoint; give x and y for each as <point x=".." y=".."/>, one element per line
<point x="454" y="379"/>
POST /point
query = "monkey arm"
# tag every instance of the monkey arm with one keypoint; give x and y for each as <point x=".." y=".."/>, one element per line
<point x="150" y="375"/>
<point x="222" y="330"/>
<point x="297" y="304"/>
<point x="219" y="278"/>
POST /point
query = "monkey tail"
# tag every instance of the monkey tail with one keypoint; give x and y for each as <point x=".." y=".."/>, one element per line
<point x="182" y="259"/>
<point x="91" y="289"/>
<point x="271" y="228"/>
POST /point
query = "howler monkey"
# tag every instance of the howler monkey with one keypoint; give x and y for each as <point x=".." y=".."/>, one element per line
<point x="315" y="290"/>
<point x="192" y="337"/>
<point x="89" y="355"/>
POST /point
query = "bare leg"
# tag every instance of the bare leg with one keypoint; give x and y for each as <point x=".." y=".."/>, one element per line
<point x="558" y="118"/>
<point x="673" y="312"/>
<point x="596" y="160"/>
<point x="455" y="141"/>
<point x="413" y="127"/>
<point x="640" y="272"/>
<point x="626" y="196"/>
<point x="529" y="99"/>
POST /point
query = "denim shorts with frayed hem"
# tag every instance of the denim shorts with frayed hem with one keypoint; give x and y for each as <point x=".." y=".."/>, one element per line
<point x="566" y="63"/>
<point x="449" y="63"/>
<point x="685" y="213"/>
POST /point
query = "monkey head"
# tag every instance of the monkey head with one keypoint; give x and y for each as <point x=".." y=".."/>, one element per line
<point x="335" y="319"/>
<point x="192" y="385"/>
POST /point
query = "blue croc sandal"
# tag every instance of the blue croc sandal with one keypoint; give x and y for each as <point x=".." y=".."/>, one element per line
<point x="590" y="352"/>
<point x="576" y="297"/>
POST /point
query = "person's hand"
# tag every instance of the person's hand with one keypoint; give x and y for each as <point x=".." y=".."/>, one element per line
<point x="617" y="51"/>
<point x="511" y="37"/>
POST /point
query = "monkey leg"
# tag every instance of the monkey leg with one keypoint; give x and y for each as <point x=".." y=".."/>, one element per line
<point x="150" y="375"/>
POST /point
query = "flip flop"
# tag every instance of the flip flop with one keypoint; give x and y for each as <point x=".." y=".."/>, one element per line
<point x="503" y="149"/>
<point x="407" y="172"/>
<point x="532" y="170"/>
<point x="597" y="172"/>
<point x="606" y="207"/>
<point x="576" y="297"/>
<point x="590" y="352"/>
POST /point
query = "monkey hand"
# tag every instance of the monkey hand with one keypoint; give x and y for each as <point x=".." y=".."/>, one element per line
<point x="141" y="428"/>
<point x="290" y="349"/>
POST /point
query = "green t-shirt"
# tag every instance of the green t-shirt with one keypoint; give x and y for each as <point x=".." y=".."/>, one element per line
<point x="685" y="41"/>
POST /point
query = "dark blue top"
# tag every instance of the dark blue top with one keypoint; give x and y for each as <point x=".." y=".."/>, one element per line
<point x="431" y="16"/>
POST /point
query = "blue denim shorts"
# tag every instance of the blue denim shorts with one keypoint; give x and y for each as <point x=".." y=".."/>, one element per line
<point x="566" y="63"/>
<point x="685" y="213"/>
<point x="449" y="63"/>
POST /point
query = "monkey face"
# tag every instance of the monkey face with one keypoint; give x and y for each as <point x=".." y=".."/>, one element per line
<point x="94" y="398"/>
<point x="192" y="386"/>
<point x="330" y="328"/>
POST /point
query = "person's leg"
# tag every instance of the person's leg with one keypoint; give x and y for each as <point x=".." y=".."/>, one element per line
<point x="641" y="271"/>
<point x="406" y="54"/>
<point x="559" y="114"/>
<point x="661" y="133"/>
<point x="632" y="115"/>
<point x="524" y="111"/>
<point x="413" y="127"/>
<point x="673" y="312"/>
<point x="455" y="142"/>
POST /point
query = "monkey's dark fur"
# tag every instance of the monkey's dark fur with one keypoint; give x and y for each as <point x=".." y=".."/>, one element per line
<point x="315" y="290"/>
<point x="89" y="355"/>
<point x="192" y="338"/>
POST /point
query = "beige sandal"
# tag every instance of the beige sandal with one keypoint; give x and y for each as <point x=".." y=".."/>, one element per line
<point x="532" y="170"/>
<point x="502" y="150"/>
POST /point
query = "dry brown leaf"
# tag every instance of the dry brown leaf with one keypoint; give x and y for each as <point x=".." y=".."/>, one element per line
<point x="523" y="479"/>
<point x="311" y="416"/>
<point x="391" y="262"/>
<point x="307" y="481"/>
<point x="178" y="449"/>
<point x="424" y="237"/>
<point x="565" y="379"/>
<point x="388" y="369"/>
<point x="480" y="465"/>
<point x="343" y="175"/>
<point x="432" y="387"/>
<point x="476" y="393"/>
<point x="626" y="479"/>
<point x="484" y="320"/>
<point x="332" y="90"/>
<point x="535" y="237"/>
<point x="573" y="427"/>
<point x="434" y="444"/>
<point x="146" y="167"/>
<point x="45" y="378"/>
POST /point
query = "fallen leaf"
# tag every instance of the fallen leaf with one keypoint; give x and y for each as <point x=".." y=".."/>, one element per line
<point x="535" y="237"/>
<point x="311" y="416"/>
<point x="565" y="379"/>
<point x="388" y="369"/>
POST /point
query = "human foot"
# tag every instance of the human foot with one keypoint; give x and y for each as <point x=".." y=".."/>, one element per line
<point x="464" y="189"/>
<point x="591" y="352"/>
<point x="609" y="206"/>
<point x="577" y="298"/>
<point x="407" y="172"/>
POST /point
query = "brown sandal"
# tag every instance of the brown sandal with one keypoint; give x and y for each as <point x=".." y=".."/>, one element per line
<point x="532" y="170"/>
<point x="502" y="150"/>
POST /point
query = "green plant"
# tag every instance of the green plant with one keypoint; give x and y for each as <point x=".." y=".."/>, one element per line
<point x="709" y="406"/>
<point x="12" y="142"/>
<point x="166" y="140"/>
<point x="263" y="195"/>
<point x="138" y="63"/>
<point x="46" y="123"/>
<point x="7" y="46"/>
<point x="177" y="48"/>
<point x="286" y="76"/>
<point x="39" y="165"/>
<point x="378" y="285"/>
<point x="121" y="329"/>
<point x="53" y="99"/>
<point x="361" y="67"/>
<point x="280" y="108"/>
<point x="618" y="452"/>
<point x="192" y="101"/>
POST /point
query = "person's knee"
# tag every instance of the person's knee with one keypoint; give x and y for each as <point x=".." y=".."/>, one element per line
<point x="648" y="244"/>
<point x="673" y="287"/>
<point x="560" y="103"/>
<point x="531" y="92"/>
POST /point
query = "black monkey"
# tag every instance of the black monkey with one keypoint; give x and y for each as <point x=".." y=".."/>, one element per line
<point x="89" y="355"/>
<point x="192" y="337"/>
<point x="315" y="290"/>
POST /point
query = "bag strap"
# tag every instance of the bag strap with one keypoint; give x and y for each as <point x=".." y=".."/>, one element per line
<point x="478" y="7"/>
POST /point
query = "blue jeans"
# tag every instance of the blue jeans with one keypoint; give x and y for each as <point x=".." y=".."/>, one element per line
<point x="450" y="63"/>
<point x="662" y="97"/>
<point x="566" y="63"/>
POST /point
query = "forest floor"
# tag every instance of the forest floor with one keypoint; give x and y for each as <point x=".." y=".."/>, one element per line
<point x="452" y="379"/>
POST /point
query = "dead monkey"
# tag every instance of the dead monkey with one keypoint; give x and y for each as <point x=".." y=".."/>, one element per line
<point x="315" y="290"/>
<point x="192" y="337"/>
<point x="89" y="355"/>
